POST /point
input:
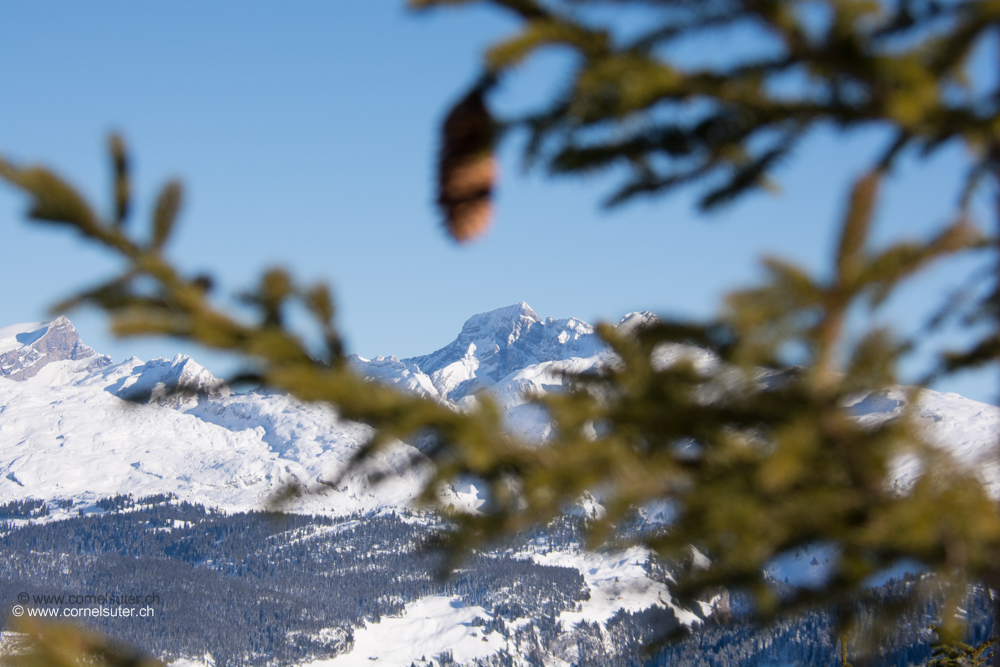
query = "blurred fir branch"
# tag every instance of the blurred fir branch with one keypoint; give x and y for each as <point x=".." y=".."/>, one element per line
<point x="49" y="644"/>
<point x="753" y="463"/>
<point x="634" y="102"/>
<point x="953" y="653"/>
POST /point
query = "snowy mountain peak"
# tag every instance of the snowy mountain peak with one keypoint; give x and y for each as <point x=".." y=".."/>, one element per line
<point x="27" y="348"/>
<point x="492" y="351"/>
<point x="511" y="320"/>
<point x="494" y="344"/>
<point x="636" y="320"/>
<point x="180" y="381"/>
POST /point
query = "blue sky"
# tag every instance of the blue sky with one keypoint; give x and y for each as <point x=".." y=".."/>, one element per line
<point x="305" y="136"/>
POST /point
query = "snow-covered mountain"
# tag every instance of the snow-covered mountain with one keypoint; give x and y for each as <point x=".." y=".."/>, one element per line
<point x="76" y="427"/>
<point x="73" y="426"/>
<point x="510" y="353"/>
<point x="491" y="347"/>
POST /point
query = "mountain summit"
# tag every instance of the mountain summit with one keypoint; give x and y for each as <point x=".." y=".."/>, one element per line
<point x="27" y="348"/>
<point x="490" y="347"/>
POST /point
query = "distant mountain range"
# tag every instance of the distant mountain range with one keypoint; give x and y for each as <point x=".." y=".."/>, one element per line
<point x="67" y="433"/>
<point x="76" y="429"/>
<point x="76" y="426"/>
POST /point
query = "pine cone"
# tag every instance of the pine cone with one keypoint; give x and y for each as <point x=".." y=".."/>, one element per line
<point x="467" y="168"/>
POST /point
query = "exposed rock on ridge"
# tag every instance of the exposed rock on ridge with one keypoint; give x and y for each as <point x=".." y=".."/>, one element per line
<point x="26" y="349"/>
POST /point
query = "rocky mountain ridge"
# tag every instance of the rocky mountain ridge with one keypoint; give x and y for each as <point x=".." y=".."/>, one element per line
<point x="27" y="348"/>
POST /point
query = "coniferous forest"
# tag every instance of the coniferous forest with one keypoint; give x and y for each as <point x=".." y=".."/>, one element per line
<point x="279" y="589"/>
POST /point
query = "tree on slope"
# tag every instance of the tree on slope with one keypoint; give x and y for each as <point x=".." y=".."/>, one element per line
<point x="753" y="471"/>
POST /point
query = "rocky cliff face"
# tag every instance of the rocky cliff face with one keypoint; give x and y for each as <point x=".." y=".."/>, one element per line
<point x="26" y="349"/>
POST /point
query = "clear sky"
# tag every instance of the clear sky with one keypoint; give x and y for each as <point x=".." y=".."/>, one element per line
<point x="305" y="134"/>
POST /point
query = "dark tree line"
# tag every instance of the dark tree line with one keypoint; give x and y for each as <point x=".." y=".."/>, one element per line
<point x="256" y="588"/>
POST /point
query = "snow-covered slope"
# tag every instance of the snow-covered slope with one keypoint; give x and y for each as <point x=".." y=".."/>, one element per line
<point x="430" y="626"/>
<point x="74" y="425"/>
